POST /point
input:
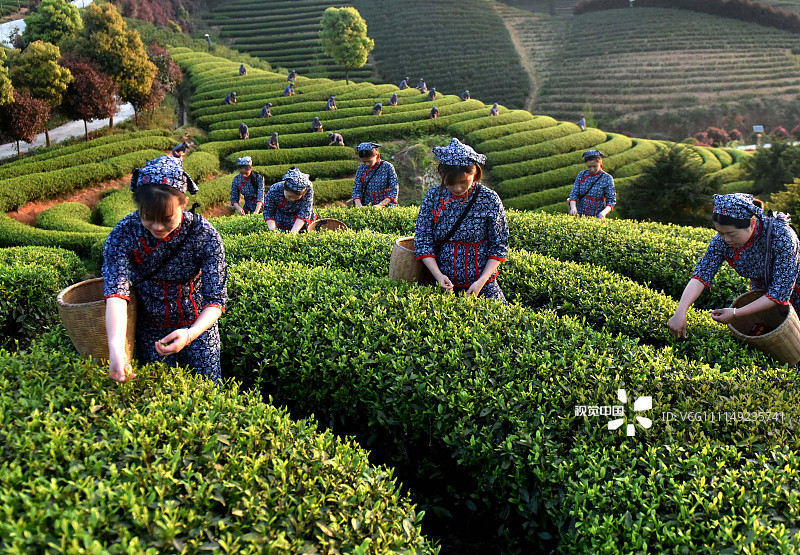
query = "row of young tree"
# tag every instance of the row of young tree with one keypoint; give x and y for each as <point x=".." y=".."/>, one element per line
<point x="107" y="65"/>
<point x="717" y="136"/>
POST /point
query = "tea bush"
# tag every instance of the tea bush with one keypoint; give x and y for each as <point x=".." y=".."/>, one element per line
<point x="85" y="156"/>
<point x="58" y="151"/>
<point x="603" y="299"/>
<point x="493" y="408"/>
<point x="14" y="233"/>
<point x="30" y="279"/>
<point x="201" y="165"/>
<point x="68" y="216"/>
<point x="172" y="461"/>
<point x="525" y="138"/>
<point x="16" y="191"/>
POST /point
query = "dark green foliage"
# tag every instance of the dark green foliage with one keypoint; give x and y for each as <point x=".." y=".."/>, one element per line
<point x="173" y="462"/>
<point x="772" y="168"/>
<point x="787" y="201"/>
<point x="674" y="189"/>
<point x="489" y="399"/>
<point x="30" y="279"/>
<point x="452" y="53"/>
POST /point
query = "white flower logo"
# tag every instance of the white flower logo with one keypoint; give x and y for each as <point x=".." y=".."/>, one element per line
<point x="640" y="405"/>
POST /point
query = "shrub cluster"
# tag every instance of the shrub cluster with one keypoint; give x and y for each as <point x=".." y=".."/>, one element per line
<point x="493" y="409"/>
<point x="173" y="462"/>
<point x="30" y="279"/>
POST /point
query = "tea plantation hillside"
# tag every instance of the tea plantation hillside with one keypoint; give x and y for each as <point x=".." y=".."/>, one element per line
<point x="283" y="32"/>
<point x="532" y="160"/>
<point x="637" y="70"/>
<point x="678" y="64"/>
<point x="475" y="407"/>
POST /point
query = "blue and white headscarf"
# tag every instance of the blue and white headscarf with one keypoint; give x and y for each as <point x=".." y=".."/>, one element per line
<point x="244" y="161"/>
<point x="593" y="154"/>
<point x="736" y="205"/>
<point x="166" y="170"/>
<point x="367" y="146"/>
<point x="458" y="154"/>
<point x="296" y="181"/>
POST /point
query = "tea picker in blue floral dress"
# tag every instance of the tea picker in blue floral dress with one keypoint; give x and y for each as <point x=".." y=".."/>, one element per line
<point x="741" y="240"/>
<point x="468" y="260"/>
<point x="247" y="184"/>
<point x="593" y="192"/>
<point x="376" y="179"/>
<point x="289" y="204"/>
<point x="175" y="262"/>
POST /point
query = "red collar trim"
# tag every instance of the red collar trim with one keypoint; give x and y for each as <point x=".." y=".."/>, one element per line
<point x="465" y="195"/>
<point x="753" y="238"/>
<point x="174" y="233"/>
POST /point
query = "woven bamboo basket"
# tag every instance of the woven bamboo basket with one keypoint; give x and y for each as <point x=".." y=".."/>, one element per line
<point x="403" y="266"/>
<point x="327" y="224"/>
<point x="82" y="310"/>
<point x="781" y="337"/>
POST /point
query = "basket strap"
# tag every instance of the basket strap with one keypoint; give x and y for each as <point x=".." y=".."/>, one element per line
<point x="767" y="272"/>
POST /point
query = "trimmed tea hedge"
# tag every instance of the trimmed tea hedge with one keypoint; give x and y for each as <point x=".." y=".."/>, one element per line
<point x="30" y="279"/>
<point x="14" y="233"/>
<point x="60" y="150"/>
<point x="68" y="216"/>
<point x="293" y="155"/>
<point x="603" y="299"/>
<point x="172" y="461"/>
<point x="493" y="409"/>
<point x="16" y="191"/>
<point x="201" y="165"/>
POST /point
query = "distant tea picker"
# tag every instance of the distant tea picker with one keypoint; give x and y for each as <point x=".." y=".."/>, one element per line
<point x="593" y="192"/>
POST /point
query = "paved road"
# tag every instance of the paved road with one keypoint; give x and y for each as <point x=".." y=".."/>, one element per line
<point x="9" y="29"/>
<point x="66" y="131"/>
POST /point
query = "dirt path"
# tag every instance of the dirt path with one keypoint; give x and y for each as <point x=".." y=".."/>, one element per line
<point x="89" y="196"/>
<point x="527" y="63"/>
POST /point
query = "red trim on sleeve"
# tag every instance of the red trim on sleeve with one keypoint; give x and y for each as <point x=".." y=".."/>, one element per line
<point x="117" y="296"/>
<point x="222" y="308"/>
<point x="497" y="258"/>
<point x="268" y="219"/>
<point x="356" y="198"/>
<point x="776" y="301"/>
<point x="704" y="282"/>
<point x="610" y="206"/>
<point x="426" y="256"/>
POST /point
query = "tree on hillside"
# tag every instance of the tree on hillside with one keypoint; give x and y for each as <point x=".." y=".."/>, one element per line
<point x="169" y="72"/>
<point x="344" y="38"/>
<point x="718" y="136"/>
<point x="24" y="118"/>
<point x="772" y="168"/>
<point x="37" y="69"/>
<point x="91" y="95"/>
<point x="53" y="21"/>
<point x="6" y="88"/>
<point x="787" y="201"/>
<point x="673" y="190"/>
<point x="118" y="51"/>
<point x="147" y="101"/>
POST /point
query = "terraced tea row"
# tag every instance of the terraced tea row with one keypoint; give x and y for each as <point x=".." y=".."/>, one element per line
<point x="653" y="60"/>
<point x="282" y="32"/>
<point x="427" y="40"/>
